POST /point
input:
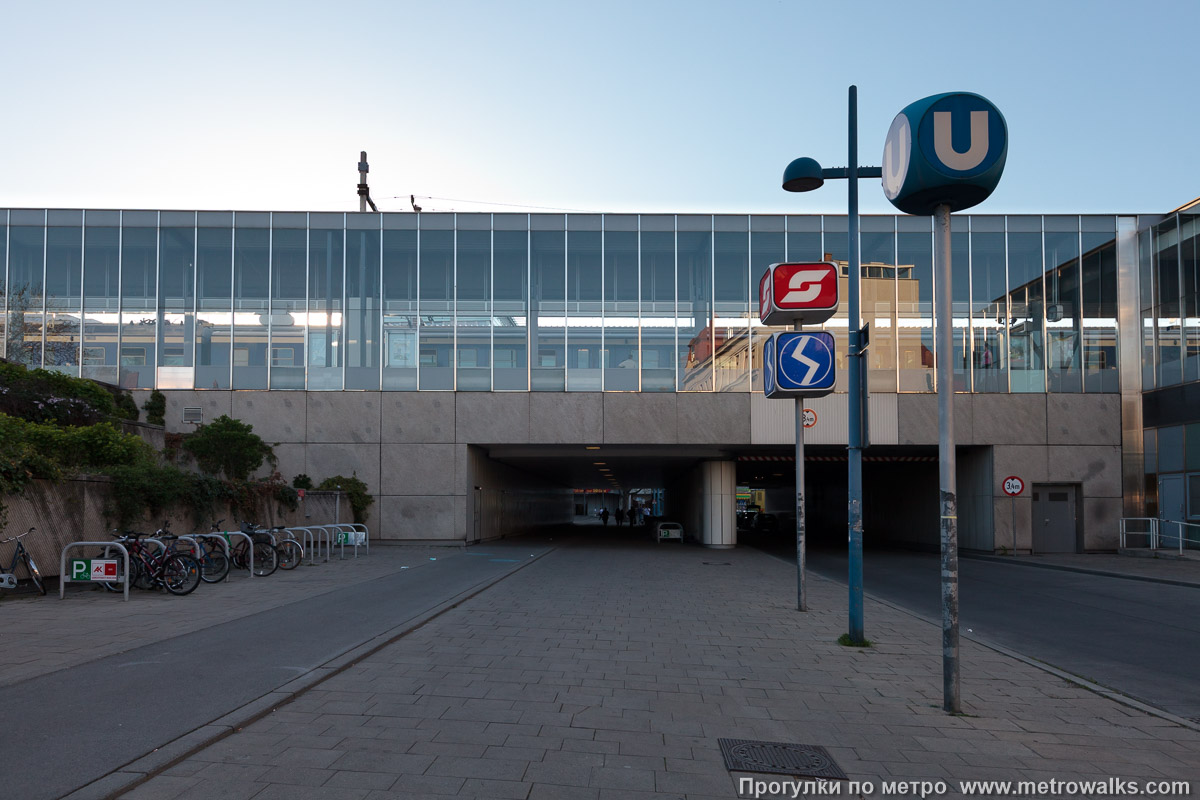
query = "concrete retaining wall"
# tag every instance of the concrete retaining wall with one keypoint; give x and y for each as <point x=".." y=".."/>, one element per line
<point x="74" y="511"/>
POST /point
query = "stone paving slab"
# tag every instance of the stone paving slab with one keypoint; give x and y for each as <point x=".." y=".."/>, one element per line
<point x="611" y="670"/>
<point x="44" y="634"/>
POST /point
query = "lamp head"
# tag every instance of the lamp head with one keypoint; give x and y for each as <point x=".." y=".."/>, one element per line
<point x="802" y="175"/>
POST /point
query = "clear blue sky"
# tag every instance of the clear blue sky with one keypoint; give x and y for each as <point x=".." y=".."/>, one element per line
<point x="616" y="106"/>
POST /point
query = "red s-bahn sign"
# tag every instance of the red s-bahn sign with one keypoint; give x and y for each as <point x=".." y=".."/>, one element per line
<point x="805" y="293"/>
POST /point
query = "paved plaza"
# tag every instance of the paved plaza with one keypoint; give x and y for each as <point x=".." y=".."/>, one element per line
<point x="610" y="669"/>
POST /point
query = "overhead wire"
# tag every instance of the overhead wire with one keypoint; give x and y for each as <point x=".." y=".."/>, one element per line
<point x="492" y="203"/>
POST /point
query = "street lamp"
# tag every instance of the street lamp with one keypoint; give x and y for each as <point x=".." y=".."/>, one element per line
<point x="804" y="175"/>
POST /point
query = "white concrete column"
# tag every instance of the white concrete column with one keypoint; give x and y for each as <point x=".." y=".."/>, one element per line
<point x="718" y="504"/>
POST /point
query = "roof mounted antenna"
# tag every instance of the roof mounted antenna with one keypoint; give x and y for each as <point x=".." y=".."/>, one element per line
<point x="364" y="193"/>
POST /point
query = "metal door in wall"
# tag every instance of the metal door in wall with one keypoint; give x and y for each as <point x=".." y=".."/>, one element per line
<point x="1171" y="498"/>
<point x="477" y="522"/>
<point x="1054" y="518"/>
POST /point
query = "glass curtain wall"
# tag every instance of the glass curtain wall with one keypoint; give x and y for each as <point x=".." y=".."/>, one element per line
<point x="960" y="301"/>
<point x="251" y="299"/>
<point x="658" y="303"/>
<point x="1146" y="288"/>
<point x="1099" y="304"/>
<point x="585" y="302"/>
<point x="214" y="299"/>
<point x="1171" y="302"/>
<point x="1026" y="296"/>
<point x="176" y="300"/>
<point x="1063" y="307"/>
<point x="548" y="302"/>
<point x="835" y="246"/>
<point x="326" y="285"/>
<point x="473" y="317"/>
<point x="877" y="255"/>
<point x="1169" y="345"/>
<point x="289" y="299"/>
<point x="621" y="291"/>
<point x="731" y="303"/>
<point x="768" y="245"/>
<point x="4" y="283"/>
<point x="989" y="305"/>
<point x="26" y="286"/>
<point x="693" y="302"/>
<point x="914" y="304"/>
<point x="64" y="290"/>
<point x="510" y="302"/>
<point x="1189" y="278"/>
<point x="551" y="302"/>
<point x="400" y="305"/>
<point x="139" y="299"/>
<point x="362" y="317"/>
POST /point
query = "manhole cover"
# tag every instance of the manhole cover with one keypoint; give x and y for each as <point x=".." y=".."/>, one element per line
<point x="784" y="758"/>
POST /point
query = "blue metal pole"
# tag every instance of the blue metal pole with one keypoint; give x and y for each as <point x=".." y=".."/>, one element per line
<point x="856" y="388"/>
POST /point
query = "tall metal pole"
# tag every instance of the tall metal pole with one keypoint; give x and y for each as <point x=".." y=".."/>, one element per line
<point x="801" y="594"/>
<point x="855" y="399"/>
<point x="948" y="495"/>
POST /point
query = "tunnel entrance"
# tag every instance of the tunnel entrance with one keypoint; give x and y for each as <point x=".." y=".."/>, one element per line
<point x="900" y="491"/>
<point x="668" y="483"/>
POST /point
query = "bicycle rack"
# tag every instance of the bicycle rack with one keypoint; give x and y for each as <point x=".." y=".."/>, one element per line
<point x="325" y="536"/>
<point x="357" y="528"/>
<point x="249" y="549"/>
<point x="366" y="535"/>
<point x="307" y="542"/>
<point x="224" y="543"/>
<point x="188" y="537"/>
<point x="64" y="577"/>
<point x="315" y="538"/>
<point x="344" y="531"/>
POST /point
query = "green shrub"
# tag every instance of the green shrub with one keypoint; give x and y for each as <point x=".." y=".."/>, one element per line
<point x="30" y="450"/>
<point x="156" y="408"/>
<point x="127" y="408"/>
<point x="356" y="493"/>
<point x="302" y="481"/>
<point x="228" y="446"/>
<point x="69" y="449"/>
<point x="40" y="395"/>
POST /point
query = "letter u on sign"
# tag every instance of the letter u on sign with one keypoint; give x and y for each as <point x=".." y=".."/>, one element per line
<point x="943" y="144"/>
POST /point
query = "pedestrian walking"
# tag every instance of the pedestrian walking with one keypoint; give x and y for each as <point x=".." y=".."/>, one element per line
<point x="604" y="517"/>
<point x="620" y="515"/>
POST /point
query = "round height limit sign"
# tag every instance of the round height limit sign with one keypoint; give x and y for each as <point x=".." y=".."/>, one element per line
<point x="1013" y="486"/>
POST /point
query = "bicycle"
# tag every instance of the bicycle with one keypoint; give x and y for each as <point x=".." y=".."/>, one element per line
<point x="176" y="572"/>
<point x="214" y="564"/>
<point x="265" y="557"/>
<point x="291" y="552"/>
<point x="8" y="578"/>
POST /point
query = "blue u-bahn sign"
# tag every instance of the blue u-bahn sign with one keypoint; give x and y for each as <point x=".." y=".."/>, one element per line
<point x="799" y="364"/>
<point x="944" y="149"/>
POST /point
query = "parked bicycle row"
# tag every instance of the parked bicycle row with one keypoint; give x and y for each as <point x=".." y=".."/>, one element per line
<point x="179" y="564"/>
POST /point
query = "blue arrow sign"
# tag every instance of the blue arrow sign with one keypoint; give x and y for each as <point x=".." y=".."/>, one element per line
<point x="769" y="366"/>
<point x="799" y="364"/>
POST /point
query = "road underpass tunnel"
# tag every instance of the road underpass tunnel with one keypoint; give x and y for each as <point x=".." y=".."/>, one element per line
<point x="900" y="497"/>
<point x="723" y="497"/>
<point x="693" y="486"/>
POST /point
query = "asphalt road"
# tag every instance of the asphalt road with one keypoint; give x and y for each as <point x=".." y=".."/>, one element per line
<point x="78" y="724"/>
<point x="1140" y="638"/>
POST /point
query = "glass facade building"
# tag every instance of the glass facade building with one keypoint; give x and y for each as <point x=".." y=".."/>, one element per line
<point x="1169" y="320"/>
<point x="557" y="302"/>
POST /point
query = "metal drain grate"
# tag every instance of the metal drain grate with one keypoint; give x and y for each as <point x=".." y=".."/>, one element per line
<point x="784" y="758"/>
